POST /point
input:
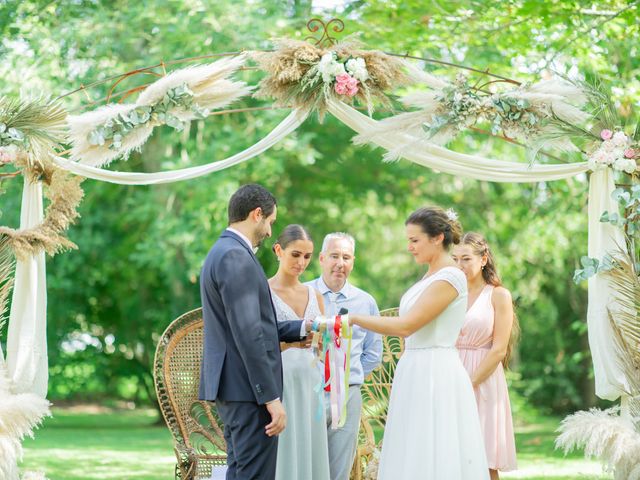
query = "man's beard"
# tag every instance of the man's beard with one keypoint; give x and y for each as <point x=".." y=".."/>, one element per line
<point x="259" y="238"/>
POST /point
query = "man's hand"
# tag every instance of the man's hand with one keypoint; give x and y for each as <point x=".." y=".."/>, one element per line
<point x="278" y="418"/>
<point x="308" y="326"/>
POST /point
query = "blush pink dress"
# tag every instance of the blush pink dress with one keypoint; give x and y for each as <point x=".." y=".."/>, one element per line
<point x="492" y="396"/>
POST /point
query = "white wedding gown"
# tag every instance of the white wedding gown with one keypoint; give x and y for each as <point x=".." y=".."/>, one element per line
<point x="433" y="430"/>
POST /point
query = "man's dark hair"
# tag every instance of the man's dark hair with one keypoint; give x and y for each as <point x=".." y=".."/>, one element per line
<point x="246" y="199"/>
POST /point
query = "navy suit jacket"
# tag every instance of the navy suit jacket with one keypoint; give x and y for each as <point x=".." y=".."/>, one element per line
<point x="241" y="348"/>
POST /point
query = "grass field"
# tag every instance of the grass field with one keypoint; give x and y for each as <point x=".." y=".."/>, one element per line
<point x="92" y="444"/>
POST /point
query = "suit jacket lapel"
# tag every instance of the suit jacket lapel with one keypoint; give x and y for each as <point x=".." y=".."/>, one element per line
<point x="230" y="234"/>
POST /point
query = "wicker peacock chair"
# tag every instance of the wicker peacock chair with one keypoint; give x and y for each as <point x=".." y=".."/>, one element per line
<point x="196" y="428"/>
<point x="375" y="402"/>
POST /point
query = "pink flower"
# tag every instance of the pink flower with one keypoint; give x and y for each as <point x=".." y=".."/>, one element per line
<point x="341" y="88"/>
<point x="352" y="83"/>
<point x="629" y="153"/>
<point x="344" y="78"/>
<point x="352" y="91"/>
<point x="606" y="134"/>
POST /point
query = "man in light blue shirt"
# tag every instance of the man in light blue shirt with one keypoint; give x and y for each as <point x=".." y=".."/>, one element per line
<point x="336" y="260"/>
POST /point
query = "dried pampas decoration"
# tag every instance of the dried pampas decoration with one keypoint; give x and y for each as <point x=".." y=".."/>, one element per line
<point x="292" y="68"/>
<point x="19" y="415"/>
<point x="209" y="88"/>
<point x="612" y="438"/>
<point x="35" y="126"/>
<point x="604" y="435"/>
<point x="529" y="113"/>
<point x="30" y="131"/>
<point x="625" y="323"/>
<point x="65" y="194"/>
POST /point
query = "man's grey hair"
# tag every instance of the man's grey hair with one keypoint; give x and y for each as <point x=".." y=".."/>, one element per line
<point x="337" y="236"/>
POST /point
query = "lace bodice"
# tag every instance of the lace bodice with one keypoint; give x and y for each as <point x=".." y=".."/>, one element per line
<point x="442" y="331"/>
<point x="284" y="312"/>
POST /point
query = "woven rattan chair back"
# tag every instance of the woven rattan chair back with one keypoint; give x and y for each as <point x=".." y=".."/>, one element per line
<point x="196" y="428"/>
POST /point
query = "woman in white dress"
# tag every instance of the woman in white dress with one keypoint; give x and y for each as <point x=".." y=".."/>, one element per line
<point x="302" y="447"/>
<point x="432" y="431"/>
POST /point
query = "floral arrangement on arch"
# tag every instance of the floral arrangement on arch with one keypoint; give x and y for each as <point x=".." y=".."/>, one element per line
<point x="306" y="76"/>
<point x="617" y="150"/>
<point x="529" y="113"/>
<point x="561" y="114"/>
<point x="115" y="130"/>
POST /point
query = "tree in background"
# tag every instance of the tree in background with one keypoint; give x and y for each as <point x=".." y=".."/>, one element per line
<point x="141" y="247"/>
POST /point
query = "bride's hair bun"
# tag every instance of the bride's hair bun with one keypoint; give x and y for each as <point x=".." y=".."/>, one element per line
<point x="434" y="220"/>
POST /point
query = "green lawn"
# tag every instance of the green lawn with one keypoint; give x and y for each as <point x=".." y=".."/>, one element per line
<point x="125" y="444"/>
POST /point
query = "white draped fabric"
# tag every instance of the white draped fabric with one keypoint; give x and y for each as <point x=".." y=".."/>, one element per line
<point x="27" y="359"/>
<point x="284" y="128"/>
<point x="444" y="160"/>
<point x="603" y="238"/>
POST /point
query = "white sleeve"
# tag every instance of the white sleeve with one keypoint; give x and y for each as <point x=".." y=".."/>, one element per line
<point x="454" y="277"/>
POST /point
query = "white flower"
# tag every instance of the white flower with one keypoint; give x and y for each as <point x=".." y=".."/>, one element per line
<point x="619" y="139"/>
<point x="608" y="145"/>
<point x="329" y="68"/>
<point x="594" y="166"/>
<point x="627" y="165"/>
<point x="617" y="153"/>
<point x="9" y="154"/>
<point x="630" y="166"/>
<point x="452" y="215"/>
<point x="325" y="66"/>
<point x="600" y="159"/>
<point x="357" y="68"/>
<point x="337" y="69"/>
<point x="325" y="61"/>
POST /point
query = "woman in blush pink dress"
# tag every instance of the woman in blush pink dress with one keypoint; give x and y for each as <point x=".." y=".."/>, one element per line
<point x="484" y="345"/>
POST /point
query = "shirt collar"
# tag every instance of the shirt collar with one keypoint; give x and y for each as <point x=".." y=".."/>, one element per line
<point x="323" y="288"/>
<point x="243" y="237"/>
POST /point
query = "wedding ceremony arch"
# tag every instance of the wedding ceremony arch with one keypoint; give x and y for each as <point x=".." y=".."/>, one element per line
<point x="55" y="152"/>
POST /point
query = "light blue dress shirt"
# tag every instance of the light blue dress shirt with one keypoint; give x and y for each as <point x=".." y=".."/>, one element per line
<point x="366" y="346"/>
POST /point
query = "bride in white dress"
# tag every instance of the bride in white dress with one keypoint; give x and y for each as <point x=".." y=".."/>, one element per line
<point x="433" y="430"/>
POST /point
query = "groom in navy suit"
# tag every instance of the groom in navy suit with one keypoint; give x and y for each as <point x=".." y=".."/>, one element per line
<point x="241" y="365"/>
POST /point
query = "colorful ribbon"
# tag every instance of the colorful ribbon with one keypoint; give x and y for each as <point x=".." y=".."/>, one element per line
<point x="337" y="365"/>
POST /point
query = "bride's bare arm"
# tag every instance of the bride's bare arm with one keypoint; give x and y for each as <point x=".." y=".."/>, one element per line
<point x="431" y="303"/>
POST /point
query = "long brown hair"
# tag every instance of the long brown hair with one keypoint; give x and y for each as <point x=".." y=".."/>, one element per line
<point x="490" y="275"/>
